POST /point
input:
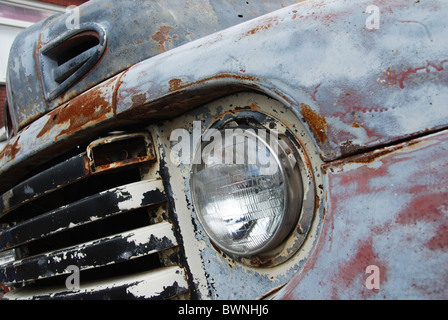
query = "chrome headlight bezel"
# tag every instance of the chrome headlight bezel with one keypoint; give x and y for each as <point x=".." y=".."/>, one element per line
<point x="299" y="201"/>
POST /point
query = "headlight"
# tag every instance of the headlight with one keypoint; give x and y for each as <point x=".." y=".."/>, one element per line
<point x="246" y="189"/>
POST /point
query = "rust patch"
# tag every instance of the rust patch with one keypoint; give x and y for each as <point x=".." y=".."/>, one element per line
<point x="315" y="92"/>
<point x="86" y="163"/>
<point x="139" y="99"/>
<point x="370" y="157"/>
<point x="175" y="84"/>
<point x="349" y="147"/>
<point x="182" y="95"/>
<point x="294" y="15"/>
<point x="228" y="75"/>
<point x="3" y="290"/>
<point x="162" y="37"/>
<point x="366" y="157"/>
<point x="258" y="29"/>
<point x="82" y="110"/>
<point x="264" y="25"/>
<point x="11" y="150"/>
<point x="252" y="107"/>
<point x="317" y="123"/>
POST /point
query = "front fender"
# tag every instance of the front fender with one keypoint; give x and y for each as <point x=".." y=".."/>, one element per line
<point x="356" y="88"/>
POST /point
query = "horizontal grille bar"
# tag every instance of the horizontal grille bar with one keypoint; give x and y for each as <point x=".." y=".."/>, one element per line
<point x="104" y="212"/>
<point x="126" y="150"/>
<point x="105" y="251"/>
<point x="164" y="283"/>
<point x="87" y="210"/>
<point x="45" y="182"/>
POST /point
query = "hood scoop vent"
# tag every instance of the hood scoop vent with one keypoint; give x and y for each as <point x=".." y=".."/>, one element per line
<point x="66" y="59"/>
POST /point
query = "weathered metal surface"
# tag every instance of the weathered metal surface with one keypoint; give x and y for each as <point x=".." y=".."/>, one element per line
<point x="387" y="208"/>
<point x="136" y="30"/>
<point x="46" y="138"/>
<point x="119" y="151"/>
<point x="46" y="181"/>
<point x="159" y="284"/>
<point x="87" y="210"/>
<point x="354" y="87"/>
<point x="214" y="273"/>
<point x="113" y="249"/>
<point x="111" y="153"/>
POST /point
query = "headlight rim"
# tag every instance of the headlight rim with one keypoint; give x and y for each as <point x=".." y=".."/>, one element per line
<point x="287" y="245"/>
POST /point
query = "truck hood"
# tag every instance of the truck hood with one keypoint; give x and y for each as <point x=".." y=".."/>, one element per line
<point x="60" y="57"/>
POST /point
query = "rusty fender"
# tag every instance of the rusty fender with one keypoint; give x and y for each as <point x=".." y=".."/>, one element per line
<point x="355" y="88"/>
<point x="389" y="209"/>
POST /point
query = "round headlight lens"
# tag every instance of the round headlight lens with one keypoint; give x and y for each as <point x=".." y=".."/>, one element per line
<point x="249" y="202"/>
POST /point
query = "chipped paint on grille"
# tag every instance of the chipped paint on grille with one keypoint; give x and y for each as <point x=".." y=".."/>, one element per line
<point x="112" y="249"/>
<point x="113" y="202"/>
<point x="133" y="196"/>
<point x="157" y="287"/>
<point x="160" y="236"/>
<point x="159" y="284"/>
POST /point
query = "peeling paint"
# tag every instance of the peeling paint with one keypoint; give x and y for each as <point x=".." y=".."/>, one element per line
<point x="355" y="90"/>
<point x="392" y="215"/>
<point x="317" y="123"/>
<point x="163" y="283"/>
<point x="101" y="252"/>
<point x="162" y="37"/>
<point x="113" y="202"/>
<point x="225" y="277"/>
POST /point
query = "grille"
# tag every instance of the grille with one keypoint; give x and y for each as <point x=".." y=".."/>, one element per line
<point x="99" y="216"/>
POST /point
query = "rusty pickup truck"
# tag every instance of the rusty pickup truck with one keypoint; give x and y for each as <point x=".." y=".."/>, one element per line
<point x="208" y="149"/>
